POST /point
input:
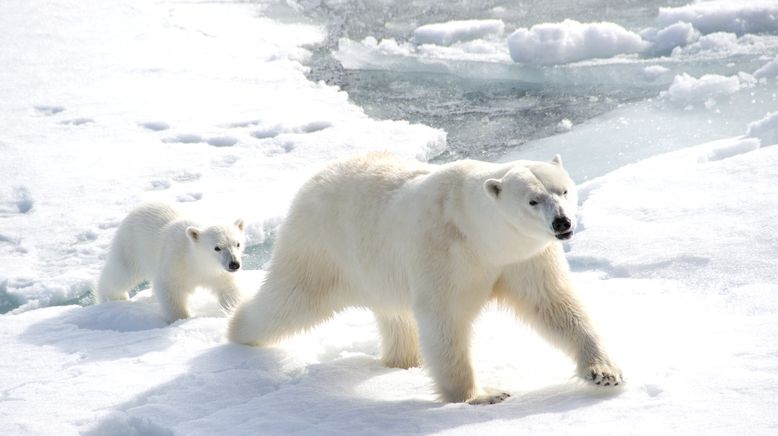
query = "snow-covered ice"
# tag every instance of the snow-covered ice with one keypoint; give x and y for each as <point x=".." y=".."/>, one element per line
<point x="674" y="35"/>
<point x="106" y="104"/>
<point x="571" y="41"/>
<point x="752" y="16"/>
<point x="454" y="31"/>
<point x="769" y="69"/>
<point x="687" y="89"/>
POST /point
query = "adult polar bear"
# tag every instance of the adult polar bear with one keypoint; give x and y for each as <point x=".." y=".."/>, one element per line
<point x="425" y="247"/>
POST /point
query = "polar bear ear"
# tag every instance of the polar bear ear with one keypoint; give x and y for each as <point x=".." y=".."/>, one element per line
<point x="240" y="224"/>
<point x="493" y="187"/>
<point x="557" y="160"/>
<point x="193" y="233"/>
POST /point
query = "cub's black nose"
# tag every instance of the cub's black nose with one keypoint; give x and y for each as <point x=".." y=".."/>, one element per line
<point x="561" y="224"/>
<point x="234" y="266"/>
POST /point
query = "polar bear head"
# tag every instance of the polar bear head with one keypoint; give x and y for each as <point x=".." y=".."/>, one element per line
<point x="219" y="246"/>
<point x="537" y="198"/>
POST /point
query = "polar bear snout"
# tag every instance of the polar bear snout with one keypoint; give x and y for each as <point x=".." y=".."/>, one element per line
<point x="563" y="227"/>
<point x="233" y="266"/>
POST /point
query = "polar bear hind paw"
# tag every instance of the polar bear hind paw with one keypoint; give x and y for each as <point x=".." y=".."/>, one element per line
<point x="489" y="397"/>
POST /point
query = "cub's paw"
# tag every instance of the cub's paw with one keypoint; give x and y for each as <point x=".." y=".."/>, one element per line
<point x="602" y="374"/>
<point x="489" y="396"/>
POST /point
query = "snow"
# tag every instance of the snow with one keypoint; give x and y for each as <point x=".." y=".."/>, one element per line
<point x="741" y="17"/>
<point x="571" y="41"/>
<point x="106" y="104"/>
<point x="455" y="31"/>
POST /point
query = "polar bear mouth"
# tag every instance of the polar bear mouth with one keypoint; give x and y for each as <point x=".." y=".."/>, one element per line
<point x="564" y="236"/>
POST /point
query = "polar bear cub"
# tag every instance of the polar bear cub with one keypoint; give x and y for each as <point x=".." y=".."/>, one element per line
<point x="426" y="247"/>
<point x="156" y="242"/>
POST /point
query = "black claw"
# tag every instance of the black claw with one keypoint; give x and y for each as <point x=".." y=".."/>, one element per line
<point x="599" y="382"/>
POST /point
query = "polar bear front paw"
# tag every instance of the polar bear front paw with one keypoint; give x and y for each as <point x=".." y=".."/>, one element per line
<point x="490" y="396"/>
<point x="602" y="374"/>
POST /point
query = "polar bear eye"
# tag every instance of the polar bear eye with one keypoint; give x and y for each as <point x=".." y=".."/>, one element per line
<point x="565" y="193"/>
<point x="533" y="203"/>
<point x="238" y="244"/>
<point x="217" y="249"/>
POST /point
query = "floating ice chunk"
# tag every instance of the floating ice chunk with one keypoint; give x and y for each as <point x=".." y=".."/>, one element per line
<point x="714" y="42"/>
<point x="653" y="72"/>
<point x="674" y="35"/>
<point x="766" y="129"/>
<point x="564" y="126"/>
<point x="686" y="89"/>
<point x="767" y="70"/>
<point x="571" y="41"/>
<point x="388" y="54"/>
<point x="721" y="15"/>
<point x="454" y="31"/>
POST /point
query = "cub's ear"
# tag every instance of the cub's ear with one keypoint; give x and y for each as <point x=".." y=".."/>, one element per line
<point x="493" y="188"/>
<point x="557" y="160"/>
<point x="193" y="233"/>
<point x="240" y="224"/>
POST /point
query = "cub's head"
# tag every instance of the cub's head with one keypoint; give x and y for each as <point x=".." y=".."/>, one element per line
<point x="537" y="198"/>
<point x="222" y="246"/>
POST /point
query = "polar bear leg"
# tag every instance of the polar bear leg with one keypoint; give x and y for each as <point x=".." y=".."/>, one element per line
<point x="399" y="340"/>
<point x="445" y="345"/>
<point x="540" y="291"/>
<point x="172" y="299"/>
<point x="283" y="306"/>
<point x="229" y="296"/>
<point x="116" y="279"/>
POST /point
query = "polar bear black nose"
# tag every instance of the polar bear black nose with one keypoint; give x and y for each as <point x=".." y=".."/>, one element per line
<point x="234" y="266"/>
<point x="561" y="224"/>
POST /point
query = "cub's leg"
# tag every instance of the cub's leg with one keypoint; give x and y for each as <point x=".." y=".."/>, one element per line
<point x="229" y="295"/>
<point x="116" y="279"/>
<point x="399" y="340"/>
<point x="540" y="291"/>
<point x="172" y="298"/>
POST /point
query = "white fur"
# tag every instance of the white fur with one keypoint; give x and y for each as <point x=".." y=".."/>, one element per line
<point x="155" y="242"/>
<point x="425" y="247"/>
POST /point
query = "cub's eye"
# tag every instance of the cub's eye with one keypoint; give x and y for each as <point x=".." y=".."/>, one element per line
<point x="565" y="193"/>
<point x="217" y="249"/>
<point x="533" y="203"/>
<point x="238" y="244"/>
